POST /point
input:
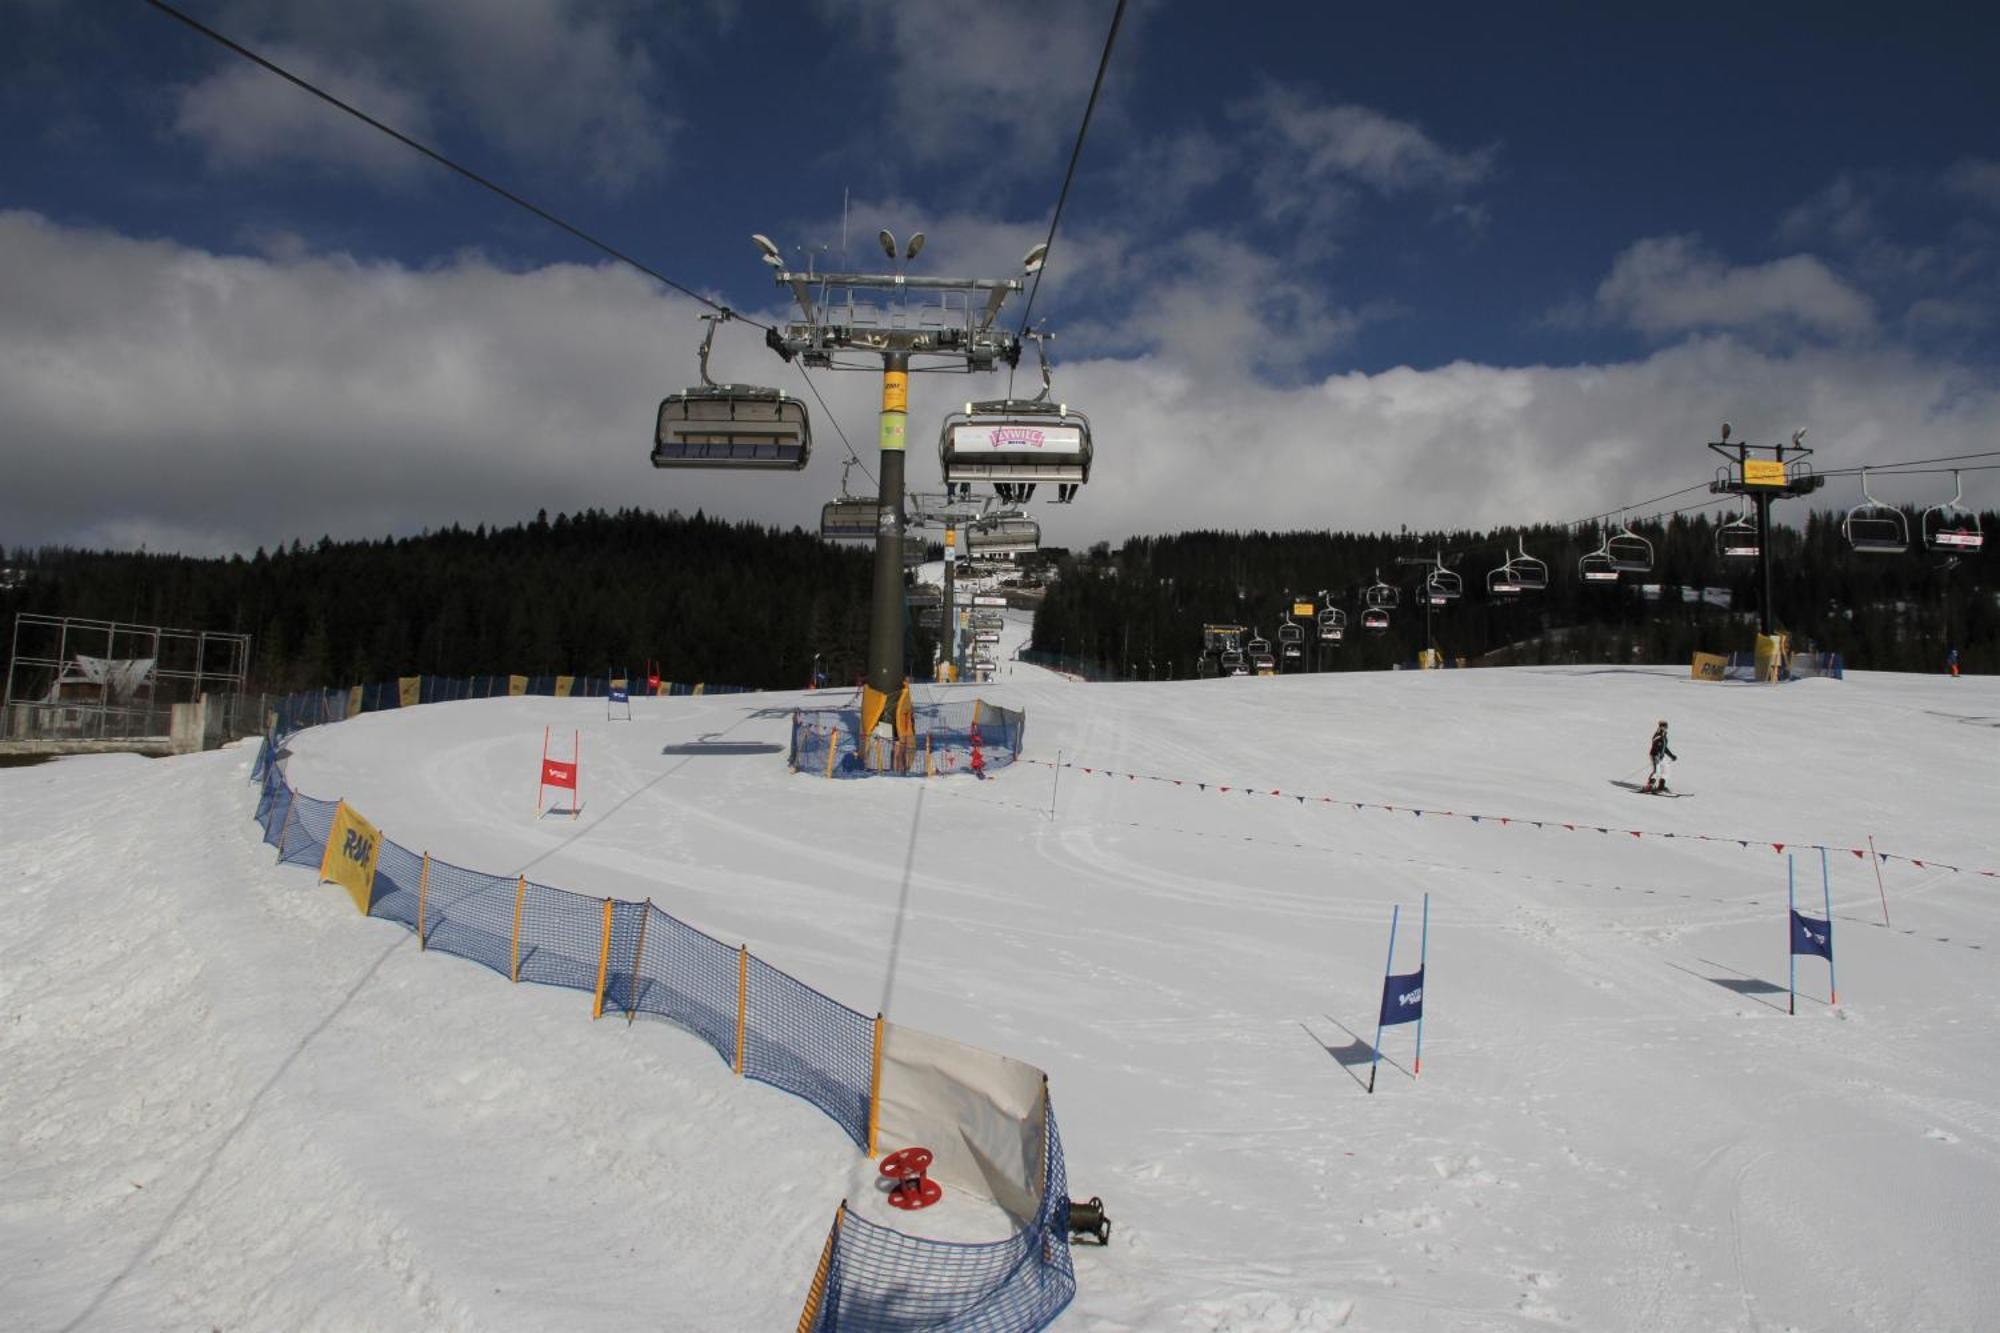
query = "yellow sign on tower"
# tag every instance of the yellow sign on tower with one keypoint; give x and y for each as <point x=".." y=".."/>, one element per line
<point x="1763" y="472"/>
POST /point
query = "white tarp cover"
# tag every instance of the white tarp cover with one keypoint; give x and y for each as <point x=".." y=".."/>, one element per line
<point x="121" y="677"/>
<point x="980" y="1114"/>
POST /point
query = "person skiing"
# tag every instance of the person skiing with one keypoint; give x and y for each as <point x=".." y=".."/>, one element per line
<point x="1662" y="758"/>
<point x="1951" y="663"/>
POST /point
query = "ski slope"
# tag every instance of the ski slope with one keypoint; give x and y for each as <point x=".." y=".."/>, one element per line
<point x="231" y="1103"/>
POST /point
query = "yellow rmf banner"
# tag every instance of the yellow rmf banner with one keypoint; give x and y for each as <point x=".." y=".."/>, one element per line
<point x="409" y="691"/>
<point x="517" y="686"/>
<point x="352" y="847"/>
<point x="354" y="702"/>
<point x="563" y="684"/>
<point x="1709" y="666"/>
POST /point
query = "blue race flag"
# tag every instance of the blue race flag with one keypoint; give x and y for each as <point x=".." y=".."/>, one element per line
<point x="1403" y="998"/>
<point x="620" y="695"/>
<point x="1810" y="935"/>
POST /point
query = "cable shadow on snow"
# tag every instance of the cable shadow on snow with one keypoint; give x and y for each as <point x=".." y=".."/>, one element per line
<point x="249" y="1110"/>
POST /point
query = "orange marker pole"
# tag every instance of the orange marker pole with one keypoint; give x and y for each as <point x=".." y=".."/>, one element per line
<point x="875" y="1090"/>
<point x="742" y="1001"/>
<point x="520" y="896"/>
<point x="603" y="963"/>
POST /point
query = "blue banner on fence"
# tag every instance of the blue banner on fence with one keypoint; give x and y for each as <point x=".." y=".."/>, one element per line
<point x="1810" y="935"/>
<point x="619" y="695"/>
<point x="1403" y="998"/>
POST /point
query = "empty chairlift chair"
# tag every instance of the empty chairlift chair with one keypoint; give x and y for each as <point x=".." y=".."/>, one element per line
<point x="1291" y="640"/>
<point x="1737" y="539"/>
<point x="1375" y="620"/>
<point x="1530" y="574"/>
<point x="1951" y="527"/>
<point x="731" y="425"/>
<point x="1008" y="536"/>
<point x="1597" y="567"/>
<point x="1628" y="552"/>
<point x="1380" y="596"/>
<point x="1874" y="528"/>
<point x="851" y="518"/>
<point x="1261" y="660"/>
<point x="1501" y="583"/>
<point x="1332" y="625"/>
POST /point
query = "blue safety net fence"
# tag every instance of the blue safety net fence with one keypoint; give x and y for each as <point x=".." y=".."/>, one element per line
<point x="768" y="1025"/>
<point x="951" y="737"/>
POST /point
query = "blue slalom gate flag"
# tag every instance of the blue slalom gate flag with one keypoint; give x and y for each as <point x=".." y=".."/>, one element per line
<point x="1812" y="936"/>
<point x="1403" y="998"/>
<point x="620" y="695"/>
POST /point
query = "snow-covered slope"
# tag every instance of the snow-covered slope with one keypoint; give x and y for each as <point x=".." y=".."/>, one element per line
<point x="229" y="1102"/>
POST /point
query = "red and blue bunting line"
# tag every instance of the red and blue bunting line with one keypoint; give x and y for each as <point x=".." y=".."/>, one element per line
<point x="1860" y="853"/>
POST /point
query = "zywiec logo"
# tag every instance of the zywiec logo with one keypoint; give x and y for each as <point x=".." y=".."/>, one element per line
<point x="356" y="847"/>
<point x="1408" y="998"/>
<point x="1812" y="935"/>
<point x="1015" y="437"/>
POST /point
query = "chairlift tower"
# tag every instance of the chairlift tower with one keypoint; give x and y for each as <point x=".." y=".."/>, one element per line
<point x="951" y="325"/>
<point x="1435" y="565"/>
<point x="1782" y="476"/>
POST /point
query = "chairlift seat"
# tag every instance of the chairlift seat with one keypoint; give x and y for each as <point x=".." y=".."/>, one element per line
<point x="732" y="426"/>
<point x="1374" y="618"/>
<point x="1014" y="536"/>
<point x="1875" y="529"/>
<point x="1443" y="586"/>
<point x="1015" y="440"/>
<point x="1596" y="567"/>
<point x="1629" y="553"/>
<point x="1289" y="633"/>
<point x="1950" y="528"/>
<point x="850" y="519"/>
<point x="1530" y="574"/>
<point x="1381" y="596"/>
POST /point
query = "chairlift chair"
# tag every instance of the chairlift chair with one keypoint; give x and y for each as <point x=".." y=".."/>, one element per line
<point x="1017" y="442"/>
<point x="1736" y="538"/>
<point x="1443" y="585"/>
<point x="1291" y="640"/>
<point x="1332" y="625"/>
<point x="850" y="518"/>
<point x="1013" y="536"/>
<point x="1628" y="552"/>
<point x="1530" y="574"/>
<point x="1375" y="620"/>
<point x="1381" y="596"/>
<point x="1232" y="663"/>
<point x="1951" y="526"/>
<point x="1596" y="567"/>
<point x="731" y="425"/>
<point x="1874" y="528"/>
<point x="1501" y="582"/>
<point x="1259" y="646"/>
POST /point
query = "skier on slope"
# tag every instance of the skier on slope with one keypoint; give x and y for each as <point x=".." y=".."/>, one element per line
<point x="1662" y="758"/>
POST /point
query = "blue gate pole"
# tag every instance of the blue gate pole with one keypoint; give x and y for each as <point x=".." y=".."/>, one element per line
<point x="1826" y="887"/>
<point x="1791" y="948"/>
<point x="1423" y="956"/>
<point x="1387" y="968"/>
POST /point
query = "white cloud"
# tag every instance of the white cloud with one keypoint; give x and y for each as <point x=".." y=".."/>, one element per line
<point x="152" y="392"/>
<point x="558" y="83"/>
<point x="1667" y="285"/>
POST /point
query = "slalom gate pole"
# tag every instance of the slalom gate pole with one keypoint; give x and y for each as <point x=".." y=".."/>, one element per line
<point x="1876" y="861"/>
<point x="543" y="771"/>
<point x="1387" y="968"/>
<point x="1826" y="888"/>
<point x="1791" y="906"/>
<point x="1423" y="956"/>
<point x="1055" y="781"/>
<point x="576" y="775"/>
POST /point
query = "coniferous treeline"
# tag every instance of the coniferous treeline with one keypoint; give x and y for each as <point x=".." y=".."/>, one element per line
<point x="1139" y="611"/>
<point x="707" y="600"/>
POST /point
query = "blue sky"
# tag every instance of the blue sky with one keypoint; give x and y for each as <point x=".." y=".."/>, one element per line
<point x="1322" y="265"/>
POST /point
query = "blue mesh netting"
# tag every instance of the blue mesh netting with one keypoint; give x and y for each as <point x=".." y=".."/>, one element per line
<point x="624" y="973"/>
<point x="302" y="832"/>
<point x="946" y="737"/>
<point x="398" y="876"/>
<point x="471" y="915"/>
<point x="882" y="1281"/>
<point x="688" y="978"/>
<point x="803" y="1042"/>
<point x="561" y="934"/>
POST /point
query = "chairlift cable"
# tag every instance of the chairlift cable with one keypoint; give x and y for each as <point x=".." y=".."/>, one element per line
<point x="446" y="162"/>
<point x="852" y="456"/>
<point x="1076" y="152"/>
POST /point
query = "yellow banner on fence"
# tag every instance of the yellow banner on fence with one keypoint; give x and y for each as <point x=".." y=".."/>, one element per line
<point x="516" y="686"/>
<point x="697" y="687"/>
<point x="563" y="684"/>
<point x="354" y="702"/>
<point x="1709" y="666"/>
<point x="409" y="691"/>
<point x="352" y="846"/>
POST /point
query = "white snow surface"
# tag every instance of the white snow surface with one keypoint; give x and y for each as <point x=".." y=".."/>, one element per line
<point x="231" y="1103"/>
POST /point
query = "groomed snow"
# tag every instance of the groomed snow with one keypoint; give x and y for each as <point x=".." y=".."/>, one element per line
<point x="231" y="1103"/>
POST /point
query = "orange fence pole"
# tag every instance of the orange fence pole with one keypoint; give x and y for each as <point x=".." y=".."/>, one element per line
<point x="875" y="1089"/>
<point x="520" y="896"/>
<point x="742" y="1001"/>
<point x="423" y="888"/>
<point x="638" y="951"/>
<point x="816" y="1296"/>
<point x="832" y="749"/>
<point x="603" y="963"/>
